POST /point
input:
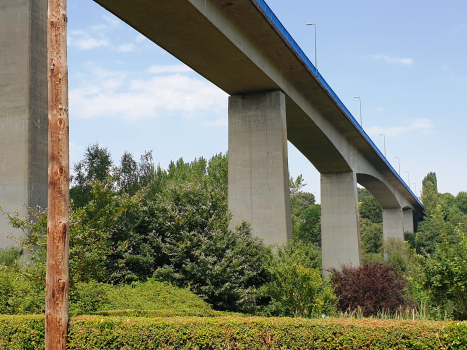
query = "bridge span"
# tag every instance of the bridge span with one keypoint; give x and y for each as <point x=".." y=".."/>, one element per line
<point x="276" y="94"/>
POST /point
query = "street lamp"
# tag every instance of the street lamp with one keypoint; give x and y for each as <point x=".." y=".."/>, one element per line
<point x="399" y="165"/>
<point x="384" y="144"/>
<point x="316" y="53"/>
<point x="361" y="124"/>
<point x="408" y="177"/>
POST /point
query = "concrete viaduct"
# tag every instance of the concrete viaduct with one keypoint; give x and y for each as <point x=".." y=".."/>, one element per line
<point x="276" y="94"/>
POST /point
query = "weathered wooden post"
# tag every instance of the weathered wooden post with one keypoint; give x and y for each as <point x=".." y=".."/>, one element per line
<point x="57" y="281"/>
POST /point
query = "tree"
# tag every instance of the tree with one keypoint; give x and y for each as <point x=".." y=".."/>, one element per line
<point x="96" y="166"/>
<point x="371" y="235"/>
<point x="309" y="227"/>
<point x="430" y="195"/>
<point x="431" y="177"/>
<point x="461" y="200"/>
<point x="446" y="274"/>
<point x="370" y="209"/>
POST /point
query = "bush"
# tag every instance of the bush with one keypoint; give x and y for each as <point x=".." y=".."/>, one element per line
<point x="296" y="287"/>
<point x="10" y="256"/>
<point x="150" y="295"/>
<point x="373" y="287"/>
<point x="98" y="332"/>
<point x="18" y="294"/>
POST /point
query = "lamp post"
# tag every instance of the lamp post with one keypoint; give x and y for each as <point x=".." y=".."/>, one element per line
<point x="408" y="177"/>
<point x="316" y="52"/>
<point x="399" y="165"/>
<point x="384" y="144"/>
<point x="361" y="124"/>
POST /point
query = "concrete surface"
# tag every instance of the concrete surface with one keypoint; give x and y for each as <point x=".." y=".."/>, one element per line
<point x="258" y="167"/>
<point x="408" y="220"/>
<point x="340" y="224"/>
<point x="393" y="226"/>
<point x="23" y="109"/>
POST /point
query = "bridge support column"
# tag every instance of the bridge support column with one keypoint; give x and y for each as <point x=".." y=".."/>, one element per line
<point x="393" y="226"/>
<point x="408" y="220"/>
<point x="23" y="109"/>
<point x="258" y="166"/>
<point x="340" y="224"/>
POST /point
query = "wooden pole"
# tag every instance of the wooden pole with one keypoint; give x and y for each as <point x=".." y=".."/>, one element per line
<point x="57" y="280"/>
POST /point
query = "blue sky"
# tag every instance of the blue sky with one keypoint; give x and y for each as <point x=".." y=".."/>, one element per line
<point x="407" y="60"/>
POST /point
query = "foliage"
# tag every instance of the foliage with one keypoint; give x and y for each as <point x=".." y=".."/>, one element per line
<point x="301" y="202"/>
<point x="19" y="294"/>
<point x="91" y="228"/>
<point x="430" y="196"/>
<point x="95" y="167"/>
<point x="309" y="226"/>
<point x="370" y="209"/>
<point x="371" y="235"/>
<point x="86" y="298"/>
<point x="373" y="287"/>
<point x="446" y="274"/>
<point x="461" y="200"/>
<point x="143" y="222"/>
<point x="10" y="256"/>
<point x="184" y="333"/>
<point x="296" y="287"/>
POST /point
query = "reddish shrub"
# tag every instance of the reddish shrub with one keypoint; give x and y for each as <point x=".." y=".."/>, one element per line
<point x="373" y="287"/>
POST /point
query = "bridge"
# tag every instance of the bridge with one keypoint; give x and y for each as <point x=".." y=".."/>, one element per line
<point x="276" y="94"/>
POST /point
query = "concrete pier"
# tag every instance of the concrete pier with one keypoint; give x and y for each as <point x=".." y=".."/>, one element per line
<point x="23" y="109"/>
<point x="340" y="223"/>
<point x="408" y="220"/>
<point x="393" y="226"/>
<point x="258" y="167"/>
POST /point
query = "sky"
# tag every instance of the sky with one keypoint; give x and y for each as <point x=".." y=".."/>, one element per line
<point x="407" y="60"/>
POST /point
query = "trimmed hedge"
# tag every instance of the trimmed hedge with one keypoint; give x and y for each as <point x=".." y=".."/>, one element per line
<point x="99" y="332"/>
<point x="165" y="313"/>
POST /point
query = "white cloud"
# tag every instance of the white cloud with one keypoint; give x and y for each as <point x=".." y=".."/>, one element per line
<point x="177" y="68"/>
<point x="126" y="48"/>
<point x="380" y="109"/>
<point x="135" y="96"/>
<point x="84" y="42"/>
<point x="423" y="125"/>
<point x="393" y="59"/>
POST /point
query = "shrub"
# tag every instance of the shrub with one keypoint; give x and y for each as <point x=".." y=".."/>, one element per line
<point x="296" y="287"/>
<point x="373" y="287"/>
<point x="18" y="294"/>
<point x="10" y="256"/>
<point x="98" y="332"/>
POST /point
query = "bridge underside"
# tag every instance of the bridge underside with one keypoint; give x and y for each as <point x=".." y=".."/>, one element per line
<point x="241" y="49"/>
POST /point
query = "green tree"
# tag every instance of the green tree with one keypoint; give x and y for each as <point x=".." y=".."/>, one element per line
<point x="370" y="209"/>
<point x="372" y="236"/>
<point x="461" y="200"/>
<point x="96" y="166"/>
<point x="91" y="228"/>
<point x="431" y="177"/>
<point x="430" y="195"/>
<point x="446" y="274"/>
<point x="309" y="226"/>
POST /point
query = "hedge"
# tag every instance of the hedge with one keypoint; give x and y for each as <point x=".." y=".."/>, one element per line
<point x="100" y="332"/>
